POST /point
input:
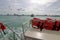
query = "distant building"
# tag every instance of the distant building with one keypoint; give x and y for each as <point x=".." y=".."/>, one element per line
<point x="22" y="14"/>
<point x="8" y="14"/>
<point x="15" y="14"/>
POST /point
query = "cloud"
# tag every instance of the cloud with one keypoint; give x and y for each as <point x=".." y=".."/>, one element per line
<point x="30" y="6"/>
<point x="42" y="2"/>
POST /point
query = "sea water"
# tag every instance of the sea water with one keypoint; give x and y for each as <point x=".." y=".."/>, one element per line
<point x="14" y="22"/>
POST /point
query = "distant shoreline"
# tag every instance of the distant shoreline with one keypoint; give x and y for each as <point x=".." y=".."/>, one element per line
<point x="34" y="15"/>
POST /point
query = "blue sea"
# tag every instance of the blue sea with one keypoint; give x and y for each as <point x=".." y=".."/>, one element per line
<point x="15" y="22"/>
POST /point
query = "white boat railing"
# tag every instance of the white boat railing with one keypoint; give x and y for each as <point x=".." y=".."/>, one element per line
<point x="2" y="34"/>
<point x="13" y="35"/>
<point x="25" y="27"/>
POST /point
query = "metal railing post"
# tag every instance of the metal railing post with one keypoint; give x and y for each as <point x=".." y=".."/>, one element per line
<point x="2" y="33"/>
<point x="14" y="36"/>
<point x="23" y="31"/>
<point x="29" y="24"/>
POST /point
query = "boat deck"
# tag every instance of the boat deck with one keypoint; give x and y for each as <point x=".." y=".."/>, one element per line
<point x="35" y="34"/>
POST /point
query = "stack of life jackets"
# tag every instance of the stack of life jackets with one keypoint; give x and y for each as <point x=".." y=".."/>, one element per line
<point x="48" y="24"/>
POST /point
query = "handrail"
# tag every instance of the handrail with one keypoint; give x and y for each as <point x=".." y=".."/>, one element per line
<point x="2" y="33"/>
<point x="14" y="32"/>
<point x="23" y="25"/>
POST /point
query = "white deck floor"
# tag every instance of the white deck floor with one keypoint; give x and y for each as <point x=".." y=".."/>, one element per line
<point x="44" y="35"/>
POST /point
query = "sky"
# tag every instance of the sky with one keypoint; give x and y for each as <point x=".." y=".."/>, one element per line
<point x="40" y="7"/>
